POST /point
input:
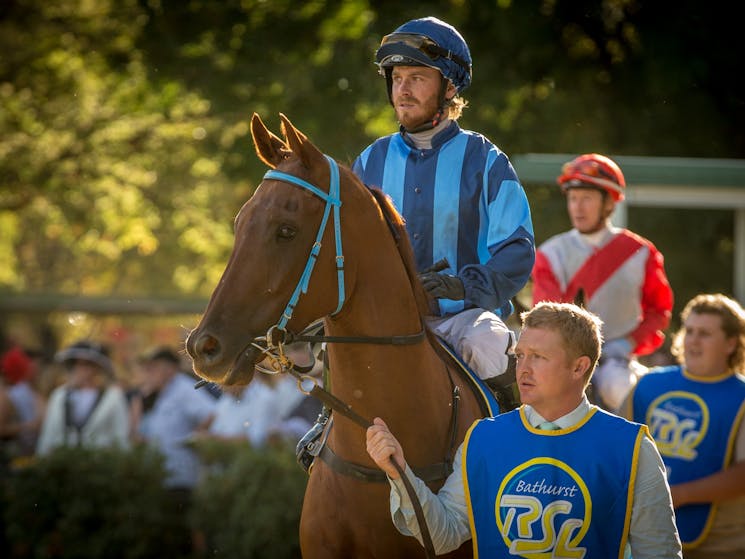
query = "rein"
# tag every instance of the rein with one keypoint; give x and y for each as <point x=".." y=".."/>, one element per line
<point x="406" y="339"/>
<point x="346" y="410"/>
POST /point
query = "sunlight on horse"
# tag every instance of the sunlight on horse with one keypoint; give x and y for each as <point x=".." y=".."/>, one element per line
<point x="267" y="290"/>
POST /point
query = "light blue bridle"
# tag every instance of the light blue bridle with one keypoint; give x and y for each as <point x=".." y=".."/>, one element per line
<point x="332" y="199"/>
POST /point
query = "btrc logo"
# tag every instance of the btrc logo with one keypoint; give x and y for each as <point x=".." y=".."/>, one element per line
<point x="678" y="422"/>
<point x="543" y="509"/>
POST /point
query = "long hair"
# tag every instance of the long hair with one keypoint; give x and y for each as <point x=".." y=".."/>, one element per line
<point x="733" y="324"/>
<point x="455" y="107"/>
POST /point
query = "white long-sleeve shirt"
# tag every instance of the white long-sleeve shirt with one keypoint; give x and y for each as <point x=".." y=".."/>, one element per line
<point x="652" y="532"/>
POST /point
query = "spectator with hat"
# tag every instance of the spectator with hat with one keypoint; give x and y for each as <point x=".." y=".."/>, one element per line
<point x="89" y="409"/>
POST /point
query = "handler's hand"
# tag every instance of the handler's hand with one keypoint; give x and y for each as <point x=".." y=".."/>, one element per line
<point x="383" y="447"/>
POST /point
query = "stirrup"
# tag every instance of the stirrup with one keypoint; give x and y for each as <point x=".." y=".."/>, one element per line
<point x="309" y="446"/>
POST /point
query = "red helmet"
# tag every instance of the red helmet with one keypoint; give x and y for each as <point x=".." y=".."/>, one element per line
<point x="593" y="171"/>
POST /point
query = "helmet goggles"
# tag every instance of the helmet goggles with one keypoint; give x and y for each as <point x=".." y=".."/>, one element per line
<point x="588" y="168"/>
<point x="421" y="43"/>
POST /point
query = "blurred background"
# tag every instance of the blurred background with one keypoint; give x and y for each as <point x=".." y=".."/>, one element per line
<point x="125" y="150"/>
<point x="125" y="154"/>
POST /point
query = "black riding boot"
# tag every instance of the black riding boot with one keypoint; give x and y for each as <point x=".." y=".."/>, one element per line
<point x="504" y="387"/>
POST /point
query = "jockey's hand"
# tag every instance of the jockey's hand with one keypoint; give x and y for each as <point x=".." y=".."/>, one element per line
<point x="383" y="447"/>
<point x="443" y="286"/>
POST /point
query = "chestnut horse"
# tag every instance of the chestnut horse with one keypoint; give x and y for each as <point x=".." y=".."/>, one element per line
<point x="360" y="278"/>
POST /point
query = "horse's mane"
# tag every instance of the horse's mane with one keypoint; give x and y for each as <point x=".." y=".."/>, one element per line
<point x="397" y="226"/>
<point x="398" y="229"/>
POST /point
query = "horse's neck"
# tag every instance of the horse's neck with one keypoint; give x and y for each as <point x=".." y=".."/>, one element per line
<point x="406" y="385"/>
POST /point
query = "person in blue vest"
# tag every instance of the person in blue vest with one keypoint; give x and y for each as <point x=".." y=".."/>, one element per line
<point x="461" y="199"/>
<point x="696" y="414"/>
<point x="558" y="477"/>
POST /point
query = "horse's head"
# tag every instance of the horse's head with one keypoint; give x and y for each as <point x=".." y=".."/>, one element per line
<point x="277" y="276"/>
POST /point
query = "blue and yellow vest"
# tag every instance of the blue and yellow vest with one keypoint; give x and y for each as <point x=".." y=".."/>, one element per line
<point x="550" y="494"/>
<point x="693" y="421"/>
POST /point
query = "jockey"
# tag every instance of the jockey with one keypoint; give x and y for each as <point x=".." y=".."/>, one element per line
<point x="457" y="191"/>
<point x="460" y="197"/>
<point x="613" y="272"/>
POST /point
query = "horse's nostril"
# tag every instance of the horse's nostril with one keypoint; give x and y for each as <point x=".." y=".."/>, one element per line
<point x="208" y="346"/>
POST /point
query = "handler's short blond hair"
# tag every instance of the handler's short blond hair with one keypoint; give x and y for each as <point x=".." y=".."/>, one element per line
<point x="579" y="328"/>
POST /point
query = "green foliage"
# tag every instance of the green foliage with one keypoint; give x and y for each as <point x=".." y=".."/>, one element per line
<point x="97" y="157"/>
<point x="79" y="503"/>
<point x="90" y="503"/>
<point x="250" y="507"/>
<point x="124" y="140"/>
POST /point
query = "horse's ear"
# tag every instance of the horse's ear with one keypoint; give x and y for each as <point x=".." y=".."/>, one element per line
<point x="300" y="144"/>
<point x="270" y="148"/>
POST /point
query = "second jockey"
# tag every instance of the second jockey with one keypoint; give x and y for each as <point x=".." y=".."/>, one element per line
<point x="616" y="274"/>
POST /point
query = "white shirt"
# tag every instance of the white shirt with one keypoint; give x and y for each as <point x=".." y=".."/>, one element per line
<point x="168" y="426"/>
<point x="249" y="416"/>
<point x="652" y="533"/>
<point x="259" y="411"/>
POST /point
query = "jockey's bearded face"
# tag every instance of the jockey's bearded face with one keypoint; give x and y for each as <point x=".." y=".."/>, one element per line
<point x="415" y="91"/>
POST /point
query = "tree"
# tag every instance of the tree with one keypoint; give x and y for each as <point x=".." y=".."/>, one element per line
<point x="124" y="125"/>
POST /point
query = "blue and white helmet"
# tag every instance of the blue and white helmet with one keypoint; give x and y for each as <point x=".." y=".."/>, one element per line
<point x="427" y="42"/>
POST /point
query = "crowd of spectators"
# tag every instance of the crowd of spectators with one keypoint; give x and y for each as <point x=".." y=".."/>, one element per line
<point x="82" y="398"/>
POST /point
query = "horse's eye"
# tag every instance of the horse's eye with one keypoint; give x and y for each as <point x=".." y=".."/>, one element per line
<point x="286" y="232"/>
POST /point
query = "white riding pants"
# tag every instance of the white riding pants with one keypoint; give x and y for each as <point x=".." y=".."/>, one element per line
<point x="480" y="337"/>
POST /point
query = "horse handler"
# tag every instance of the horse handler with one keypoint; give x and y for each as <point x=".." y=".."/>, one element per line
<point x="562" y="486"/>
<point x="696" y="413"/>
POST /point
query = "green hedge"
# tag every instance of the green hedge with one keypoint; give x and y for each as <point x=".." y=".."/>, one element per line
<point x="249" y="506"/>
<point x="80" y="504"/>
